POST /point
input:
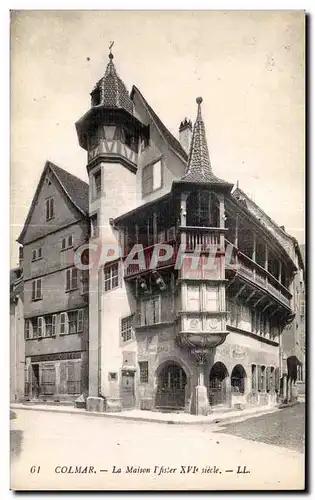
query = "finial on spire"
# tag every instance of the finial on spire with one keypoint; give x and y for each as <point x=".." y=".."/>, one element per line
<point x="110" y="50"/>
<point x="199" y="100"/>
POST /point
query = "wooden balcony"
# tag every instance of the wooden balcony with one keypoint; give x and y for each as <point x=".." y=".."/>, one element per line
<point x="202" y="238"/>
<point x="244" y="266"/>
<point x="146" y="256"/>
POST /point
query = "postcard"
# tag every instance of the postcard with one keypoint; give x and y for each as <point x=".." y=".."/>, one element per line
<point x="157" y="281"/>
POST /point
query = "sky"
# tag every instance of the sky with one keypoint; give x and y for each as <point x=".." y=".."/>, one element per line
<point x="247" y="65"/>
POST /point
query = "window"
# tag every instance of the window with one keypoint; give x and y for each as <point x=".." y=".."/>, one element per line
<point x="94" y="228"/>
<point x="50" y="208"/>
<point x="50" y="325"/>
<point x="63" y="323"/>
<point x="71" y="279"/>
<point x="151" y="311"/>
<point x="238" y="377"/>
<point x="144" y="372"/>
<point x="97" y="182"/>
<point x="37" y="289"/>
<point x="40" y="327"/>
<point x="67" y="242"/>
<point x="126" y="328"/>
<point x="112" y="376"/>
<point x="254" y="377"/>
<point x="28" y="329"/>
<point x="72" y="322"/>
<point x="152" y="177"/>
<point x="36" y="253"/>
<point x="111" y="276"/>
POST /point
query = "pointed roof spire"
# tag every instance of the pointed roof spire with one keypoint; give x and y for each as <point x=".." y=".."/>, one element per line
<point x="199" y="168"/>
<point x="112" y="90"/>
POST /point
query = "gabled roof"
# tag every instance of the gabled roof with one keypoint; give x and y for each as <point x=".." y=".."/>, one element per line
<point x="169" y="138"/>
<point x="75" y="189"/>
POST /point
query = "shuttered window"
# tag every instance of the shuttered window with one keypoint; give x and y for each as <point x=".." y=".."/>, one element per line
<point x="37" y="289"/>
<point x="63" y="323"/>
<point x="71" y="279"/>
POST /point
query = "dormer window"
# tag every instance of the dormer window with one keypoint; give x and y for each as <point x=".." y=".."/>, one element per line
<point x="50" y="208"/>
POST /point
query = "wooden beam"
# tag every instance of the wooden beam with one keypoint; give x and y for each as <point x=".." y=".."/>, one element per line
<point x="266" y="307"/>
<point x="259" y="300"/>
<point x="273" y="312"/>
<point x="250" y="296"/>
<point x="240" y="291"/>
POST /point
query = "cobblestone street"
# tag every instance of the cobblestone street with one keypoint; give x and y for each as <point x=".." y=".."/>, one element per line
<point x="283" y="428"/>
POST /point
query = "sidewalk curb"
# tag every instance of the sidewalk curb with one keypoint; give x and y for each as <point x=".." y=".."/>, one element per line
<point x="217" y="420"/>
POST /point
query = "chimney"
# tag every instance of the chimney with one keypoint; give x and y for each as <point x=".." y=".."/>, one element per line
<point x="185" y="134"/>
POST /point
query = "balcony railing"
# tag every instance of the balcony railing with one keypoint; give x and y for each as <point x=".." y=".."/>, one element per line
<point x="202" y="238"/>
<point x="145" y="258"/>
<point x="253" y="271"/>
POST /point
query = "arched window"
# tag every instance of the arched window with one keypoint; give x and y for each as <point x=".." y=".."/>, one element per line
<point x="238" y="376"/>
<point x="202" y="209"/>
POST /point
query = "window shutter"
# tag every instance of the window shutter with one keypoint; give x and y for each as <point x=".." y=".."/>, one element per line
<point x="63" y="323"/>
<point x="259" y="378"/>
<point x="28" y="329"/>
<point x="54" y="324"/>
<point x="40" y="327"/>
<point x="52" y="207"/>
<point x="33" y="290"/>
<point x="80" y="320"/>
<point x="74" y="283"/>
<point x="68" y="279"/>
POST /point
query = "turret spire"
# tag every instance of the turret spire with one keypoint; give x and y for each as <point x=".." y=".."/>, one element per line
<point x="110" y="91"/>
<point x="199" y="168"/>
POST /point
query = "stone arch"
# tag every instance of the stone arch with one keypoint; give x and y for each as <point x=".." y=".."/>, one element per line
<point x="238" y="379"/>
<point x="218" y="391"/>
<point x="172" y="384"/>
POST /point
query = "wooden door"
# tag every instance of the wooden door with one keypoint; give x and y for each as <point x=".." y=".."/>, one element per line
<point x="48" y="379"/>
<point x="128" y="389"/>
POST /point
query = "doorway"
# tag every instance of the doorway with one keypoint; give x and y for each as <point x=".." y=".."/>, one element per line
<point x="35" y="381"/>
<point x="128" y="389"/>
<point x="217" y="391"/>
<point x="170" y="392"/>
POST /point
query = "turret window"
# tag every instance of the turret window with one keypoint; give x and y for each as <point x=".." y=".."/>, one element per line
<point x="97" y="184"/>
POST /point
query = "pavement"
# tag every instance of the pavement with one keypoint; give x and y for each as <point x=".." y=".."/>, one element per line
<point x="53" y="450"/>
<point x="284" y="428"/>
<point x="157" y="417"/>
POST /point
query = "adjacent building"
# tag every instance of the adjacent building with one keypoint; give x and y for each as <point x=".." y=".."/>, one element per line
<point x="55" y="293"/>
<point x="17" y="344"/>
<point x="185" y="333"/>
